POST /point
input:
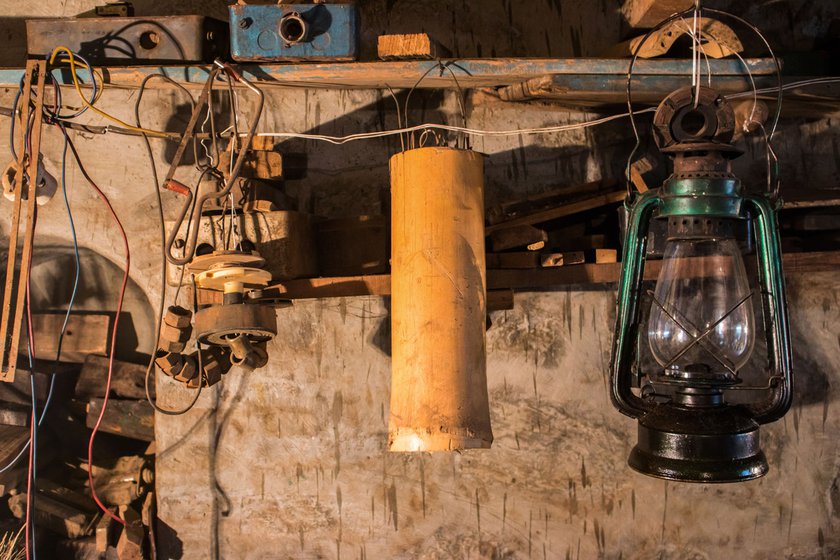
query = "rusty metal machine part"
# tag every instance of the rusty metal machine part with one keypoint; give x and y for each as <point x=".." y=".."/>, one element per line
<point x="140" y="40"/>
<point x="680" y="123"/>
<point x="175" y="331"/>
<point x="295" y="31"/>
<point x="247" y="355"/>
<point x="218" y="259"/>
<point x="175" y="186"/>
<point x="234" y="324"/>
<point x="216" y="362"/>
<point x="218" y="324"/>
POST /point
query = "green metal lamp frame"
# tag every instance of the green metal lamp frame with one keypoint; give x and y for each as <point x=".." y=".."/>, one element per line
<point x="704" y="197"/>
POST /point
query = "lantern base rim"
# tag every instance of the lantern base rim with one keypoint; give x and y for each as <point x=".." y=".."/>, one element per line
<point x="711" y="456"/>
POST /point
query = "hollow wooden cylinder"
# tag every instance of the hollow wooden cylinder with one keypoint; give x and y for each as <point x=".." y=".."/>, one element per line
<point x="438" y="308"/>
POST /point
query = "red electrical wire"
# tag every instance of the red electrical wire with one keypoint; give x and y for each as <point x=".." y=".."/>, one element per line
<point x="113" y="332"/>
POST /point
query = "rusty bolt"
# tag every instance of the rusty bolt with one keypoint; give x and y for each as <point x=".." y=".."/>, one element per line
<point x="169" y="362"/>
<point x="216" y="362"/>
<point x="189" y="371"/>
<point x="171" y="346"/>
<point x="174" y="334"/>
<point x="178" y="317"/>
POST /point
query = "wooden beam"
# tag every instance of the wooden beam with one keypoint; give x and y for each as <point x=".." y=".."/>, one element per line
<point x="560" y="211"/>
<point x="61" y="518"/>
<point x="533" y="279"/>
<point x="342" y="286"/>
<point x="127" y="380"/>
<point x="85" y="334"/>
<point x="810" y="198"/>
<point x="471" y="73"/>
<point x="518" y="236"/>
<point x="130" y="418"/>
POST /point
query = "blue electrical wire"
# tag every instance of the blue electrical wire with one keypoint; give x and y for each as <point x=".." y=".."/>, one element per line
<point x="30" y="497"/>
<point x="92" y="100"/>
<point x="14" y="461"/>
<point x="55" y="116"/>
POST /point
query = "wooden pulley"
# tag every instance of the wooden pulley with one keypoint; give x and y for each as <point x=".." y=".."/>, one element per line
<point x="439" y="398"/>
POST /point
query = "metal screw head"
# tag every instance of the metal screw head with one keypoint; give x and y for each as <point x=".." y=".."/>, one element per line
<point x="245" y="23"/>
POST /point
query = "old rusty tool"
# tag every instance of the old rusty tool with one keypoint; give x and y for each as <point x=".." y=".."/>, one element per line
<point x="175" y="186"/>
<point x="17" y="276"/>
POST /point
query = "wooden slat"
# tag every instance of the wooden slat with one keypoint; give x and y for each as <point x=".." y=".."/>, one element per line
<point x="130" y="418"/>
<point x="85" y="334"/>
<point x="810" y="198"/>
<point x="499" y="300"/>
<point x="471" y="73"/>
<point x="12" y="440"/>
<point x="63" y="519"/>
<point x="560" y="211"/>
<point x="518" y="236"/>
<point x="539" y="278"/>
<point x="127" y="380"/>
<point x="342" y="286"/>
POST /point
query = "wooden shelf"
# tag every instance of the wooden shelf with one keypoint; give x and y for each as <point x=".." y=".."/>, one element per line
<point x="530" y="279"/>
<point x="584" y="74"/>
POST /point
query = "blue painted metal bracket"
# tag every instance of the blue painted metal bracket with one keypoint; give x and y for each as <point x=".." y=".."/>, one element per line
<point x="293" y="32"/>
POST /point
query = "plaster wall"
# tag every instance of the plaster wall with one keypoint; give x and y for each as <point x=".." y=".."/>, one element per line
<point x="291" y="461"/>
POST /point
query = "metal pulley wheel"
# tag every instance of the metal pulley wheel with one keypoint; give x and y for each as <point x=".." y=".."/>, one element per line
<point x="221" y="259"/>
<point x="218" y="324"/>
<point x="230" y="272"/>
<point x="232" y="279"/>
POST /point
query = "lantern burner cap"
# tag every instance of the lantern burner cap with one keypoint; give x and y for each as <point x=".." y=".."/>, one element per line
<point x="683" y="123"/>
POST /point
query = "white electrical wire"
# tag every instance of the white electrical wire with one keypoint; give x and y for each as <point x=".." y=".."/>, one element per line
<point x="787" y="87"/>
<point x="449" y="128"/>
<point x="698" y="43"/>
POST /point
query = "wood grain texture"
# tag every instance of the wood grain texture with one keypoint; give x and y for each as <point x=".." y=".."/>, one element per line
<point x="410" y="46"/>
<point x="130" y="418"/>
<point x="438" y="302"/>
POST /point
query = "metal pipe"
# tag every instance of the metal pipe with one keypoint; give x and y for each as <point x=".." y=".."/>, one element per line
<point x="192" y="234"/>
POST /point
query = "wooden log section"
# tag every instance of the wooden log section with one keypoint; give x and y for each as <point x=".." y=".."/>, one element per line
<point x="411" y="46"/>
<point x="439" y="396"/>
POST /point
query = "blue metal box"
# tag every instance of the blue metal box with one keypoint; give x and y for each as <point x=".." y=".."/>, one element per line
<point x="294" y="32"/>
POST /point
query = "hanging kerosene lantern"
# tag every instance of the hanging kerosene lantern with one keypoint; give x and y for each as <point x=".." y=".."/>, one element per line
<point x="701" y="325"/>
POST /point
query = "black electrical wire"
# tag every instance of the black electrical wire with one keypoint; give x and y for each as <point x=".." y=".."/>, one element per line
<point x="151" y="365"/>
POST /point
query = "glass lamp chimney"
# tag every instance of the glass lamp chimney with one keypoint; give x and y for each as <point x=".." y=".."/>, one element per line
<point x="702" y="290"/>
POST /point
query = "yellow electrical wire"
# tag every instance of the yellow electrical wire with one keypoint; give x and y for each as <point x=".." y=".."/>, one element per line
<point x="88" y="104"/>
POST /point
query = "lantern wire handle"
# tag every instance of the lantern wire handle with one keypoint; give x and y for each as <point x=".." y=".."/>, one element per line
<point x="660" y="25"/>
